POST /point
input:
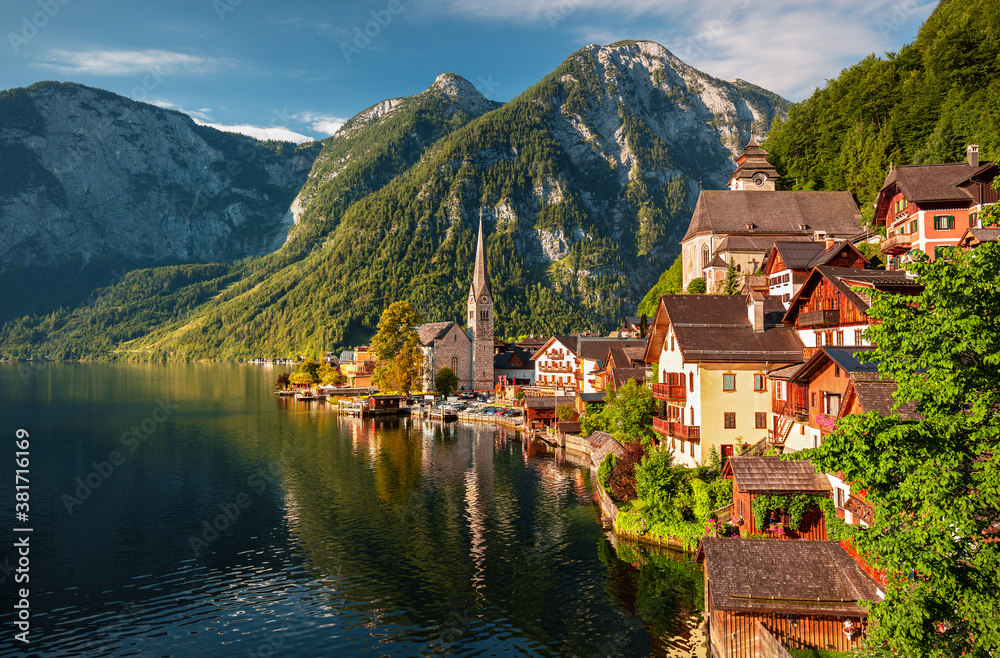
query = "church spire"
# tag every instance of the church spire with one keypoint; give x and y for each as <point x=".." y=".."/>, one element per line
<point x="480" y="282"/>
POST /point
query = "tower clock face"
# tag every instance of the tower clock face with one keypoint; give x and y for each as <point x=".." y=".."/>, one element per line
<point x="472" y="300"/>
<point x="759" y="180"/>
<point x="485" y="299"/>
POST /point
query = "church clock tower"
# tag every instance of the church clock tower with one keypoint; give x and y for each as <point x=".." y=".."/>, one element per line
<point x="481" y="319"/>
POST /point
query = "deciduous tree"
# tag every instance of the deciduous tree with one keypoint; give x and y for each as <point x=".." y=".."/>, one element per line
<point x="934" y="482"/>
<point x="397" y="346"/>
<point x="445" y="381"/>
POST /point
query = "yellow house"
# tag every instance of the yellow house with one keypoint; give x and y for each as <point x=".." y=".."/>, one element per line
<point x="711" y="355"/>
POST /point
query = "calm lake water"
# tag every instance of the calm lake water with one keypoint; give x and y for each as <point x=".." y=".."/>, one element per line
<point x="183" y="510"/>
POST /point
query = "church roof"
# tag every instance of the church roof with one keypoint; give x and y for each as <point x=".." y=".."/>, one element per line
<point x="776" y="212"/>
<point x="428" y="333"/>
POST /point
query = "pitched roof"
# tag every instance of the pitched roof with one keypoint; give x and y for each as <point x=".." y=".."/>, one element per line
<point x="547" y="401"/>
<point x="502" y="361"/>
<point x="845" y="357"/>
<point x="785" y="374"/>
<point x="974" y="236"/>
<point x="809" y="577"/>
<point x="603" y="444"/>
<point x="717" y="328"/>
<point x="569" y="342"/>
<point x="844" y="278"/>
<point x="758" y="242"/>
<point x="625" y="357"/>
<point x="428" y="333"/>
<point x="772" y="474"/>
<point x="620" y="376"/>
<point x="935" y="182"/>
<point x="803" y="255"/>
<point x="878" y="396"/>
<point x="595" y="349"/>
<point x="592" y="397"/>
<point x="782" y="213"/>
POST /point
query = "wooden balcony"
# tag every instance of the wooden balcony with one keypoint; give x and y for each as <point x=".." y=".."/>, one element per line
<point x="797" y="410"/>
<point x="897" y="244"/>
<point x="566" y="370"/>
<point x="676" y="430"/>
<point x="670" y="392"/>
<point x="826" y="318"/>
<point x="860" y="509"/>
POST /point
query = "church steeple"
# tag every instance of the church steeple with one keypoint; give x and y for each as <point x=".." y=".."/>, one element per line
<point x="480" y="282"/>
<point x="753" y="171"/>
<point x="480" y="308"/>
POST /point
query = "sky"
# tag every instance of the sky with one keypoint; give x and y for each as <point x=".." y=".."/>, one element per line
<point x="297" y="69"/>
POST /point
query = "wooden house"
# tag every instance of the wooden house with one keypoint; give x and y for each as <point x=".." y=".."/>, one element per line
<point x="929" y="207"/>
<point x="807" y="594"/>
<point x="540" y="411"/>
<point x="754" y="477"/>
<point x="828" y="310"/>
<point x="788" y="264"/>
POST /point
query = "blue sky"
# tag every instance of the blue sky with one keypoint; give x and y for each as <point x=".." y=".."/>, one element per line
<point x="296" y="69"/>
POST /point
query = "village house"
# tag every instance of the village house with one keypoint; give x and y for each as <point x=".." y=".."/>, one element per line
<point x="556" y="365"/>
<point x="712" y="354"/>
<point x="593" y="353"/>
<point x="742" y="224"/>
<point x="540" y="410"/>
<point x="359" y="367"/>
<point x="973" y="237"/>
<point x="788" y="264"/>
<point x="619" y="365"/>
<point x="929" y="207"/>
<point x="754" y="477"/>
<point x="761" y="593"/>
<point x="828" y="311"/>
<point x="513" y="367"/>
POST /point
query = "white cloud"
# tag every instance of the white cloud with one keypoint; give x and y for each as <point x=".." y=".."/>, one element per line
<point x="260" y="132"/>
<point x="129" y="62"/>
<point x="323" y="124"/>
<point x="529" y="10"/>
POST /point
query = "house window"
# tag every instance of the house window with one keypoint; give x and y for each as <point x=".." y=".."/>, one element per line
<point x="840" y="498"/>
<point x="828" y="338"/>
<point x="819" y="338"/>
<point x="691" y="381"/>
<point x="741" y="508"/>
<point x="973" y="220"/>
<point x="730" y="419"/>
<point x="691" y="447"/>
<point x="831" y="402"/>
<point x="913" y="227"/>
<point x="840" y="338"/>
<point x="692" y="417"/>
<point x="760" y="420"/>
<point x="454" y="366"/>
<point x="704" y="256"/>
<point x="858" y="336"/>
<point x="484" y="315"/>
<point x="729" y="382"/>
<point x="942" y="252"/>
<point x="836" y="370"/>
<point x="944" y="222"/>
<point x="472" y="315"/>
<point x="812" y="400"/>
<point x="759" y="382"/>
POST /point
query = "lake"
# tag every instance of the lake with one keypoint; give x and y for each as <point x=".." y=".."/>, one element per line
<point x="183" y="510"/>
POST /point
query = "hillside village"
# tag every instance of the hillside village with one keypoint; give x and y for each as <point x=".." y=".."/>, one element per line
<point x="735" y="382"/>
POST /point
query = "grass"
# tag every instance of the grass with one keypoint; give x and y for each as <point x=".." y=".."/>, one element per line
<point x="819" y="653"/>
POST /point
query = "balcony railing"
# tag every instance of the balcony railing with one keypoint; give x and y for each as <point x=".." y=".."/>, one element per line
<point x="567" y="370"/>
<point x="797" y="410"/>
<point x="897" y="244"/>
<point x="676" y="430"/>
<point x="670" y="392"/>
<point x="819" y="318"/>
<point x="860" y="509"/>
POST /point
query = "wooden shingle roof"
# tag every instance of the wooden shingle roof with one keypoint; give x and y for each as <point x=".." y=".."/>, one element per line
<point x="774" y="475"/>
<point x="804" y="577"/>
<point x="602" y="444"/>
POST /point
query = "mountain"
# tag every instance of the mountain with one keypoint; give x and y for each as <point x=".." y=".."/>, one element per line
<point x="585" y="182"/>
<point x="90" y="180"/>
<point x="922" y="105"/>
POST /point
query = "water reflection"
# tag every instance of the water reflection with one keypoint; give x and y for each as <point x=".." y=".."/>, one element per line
<point x="337" y="536"/>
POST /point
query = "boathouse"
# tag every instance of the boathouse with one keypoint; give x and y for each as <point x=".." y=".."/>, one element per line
<point x="806" y="594"/>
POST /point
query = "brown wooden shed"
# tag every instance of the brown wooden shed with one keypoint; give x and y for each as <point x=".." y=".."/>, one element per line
<point x="771" y="476"/>
<point x="804" y="593"/>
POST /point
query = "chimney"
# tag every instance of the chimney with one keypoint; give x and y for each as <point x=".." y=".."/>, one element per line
<point x="829" y="243"/>
<point x="755" y="310"/>
<point x="972" y="155"/>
